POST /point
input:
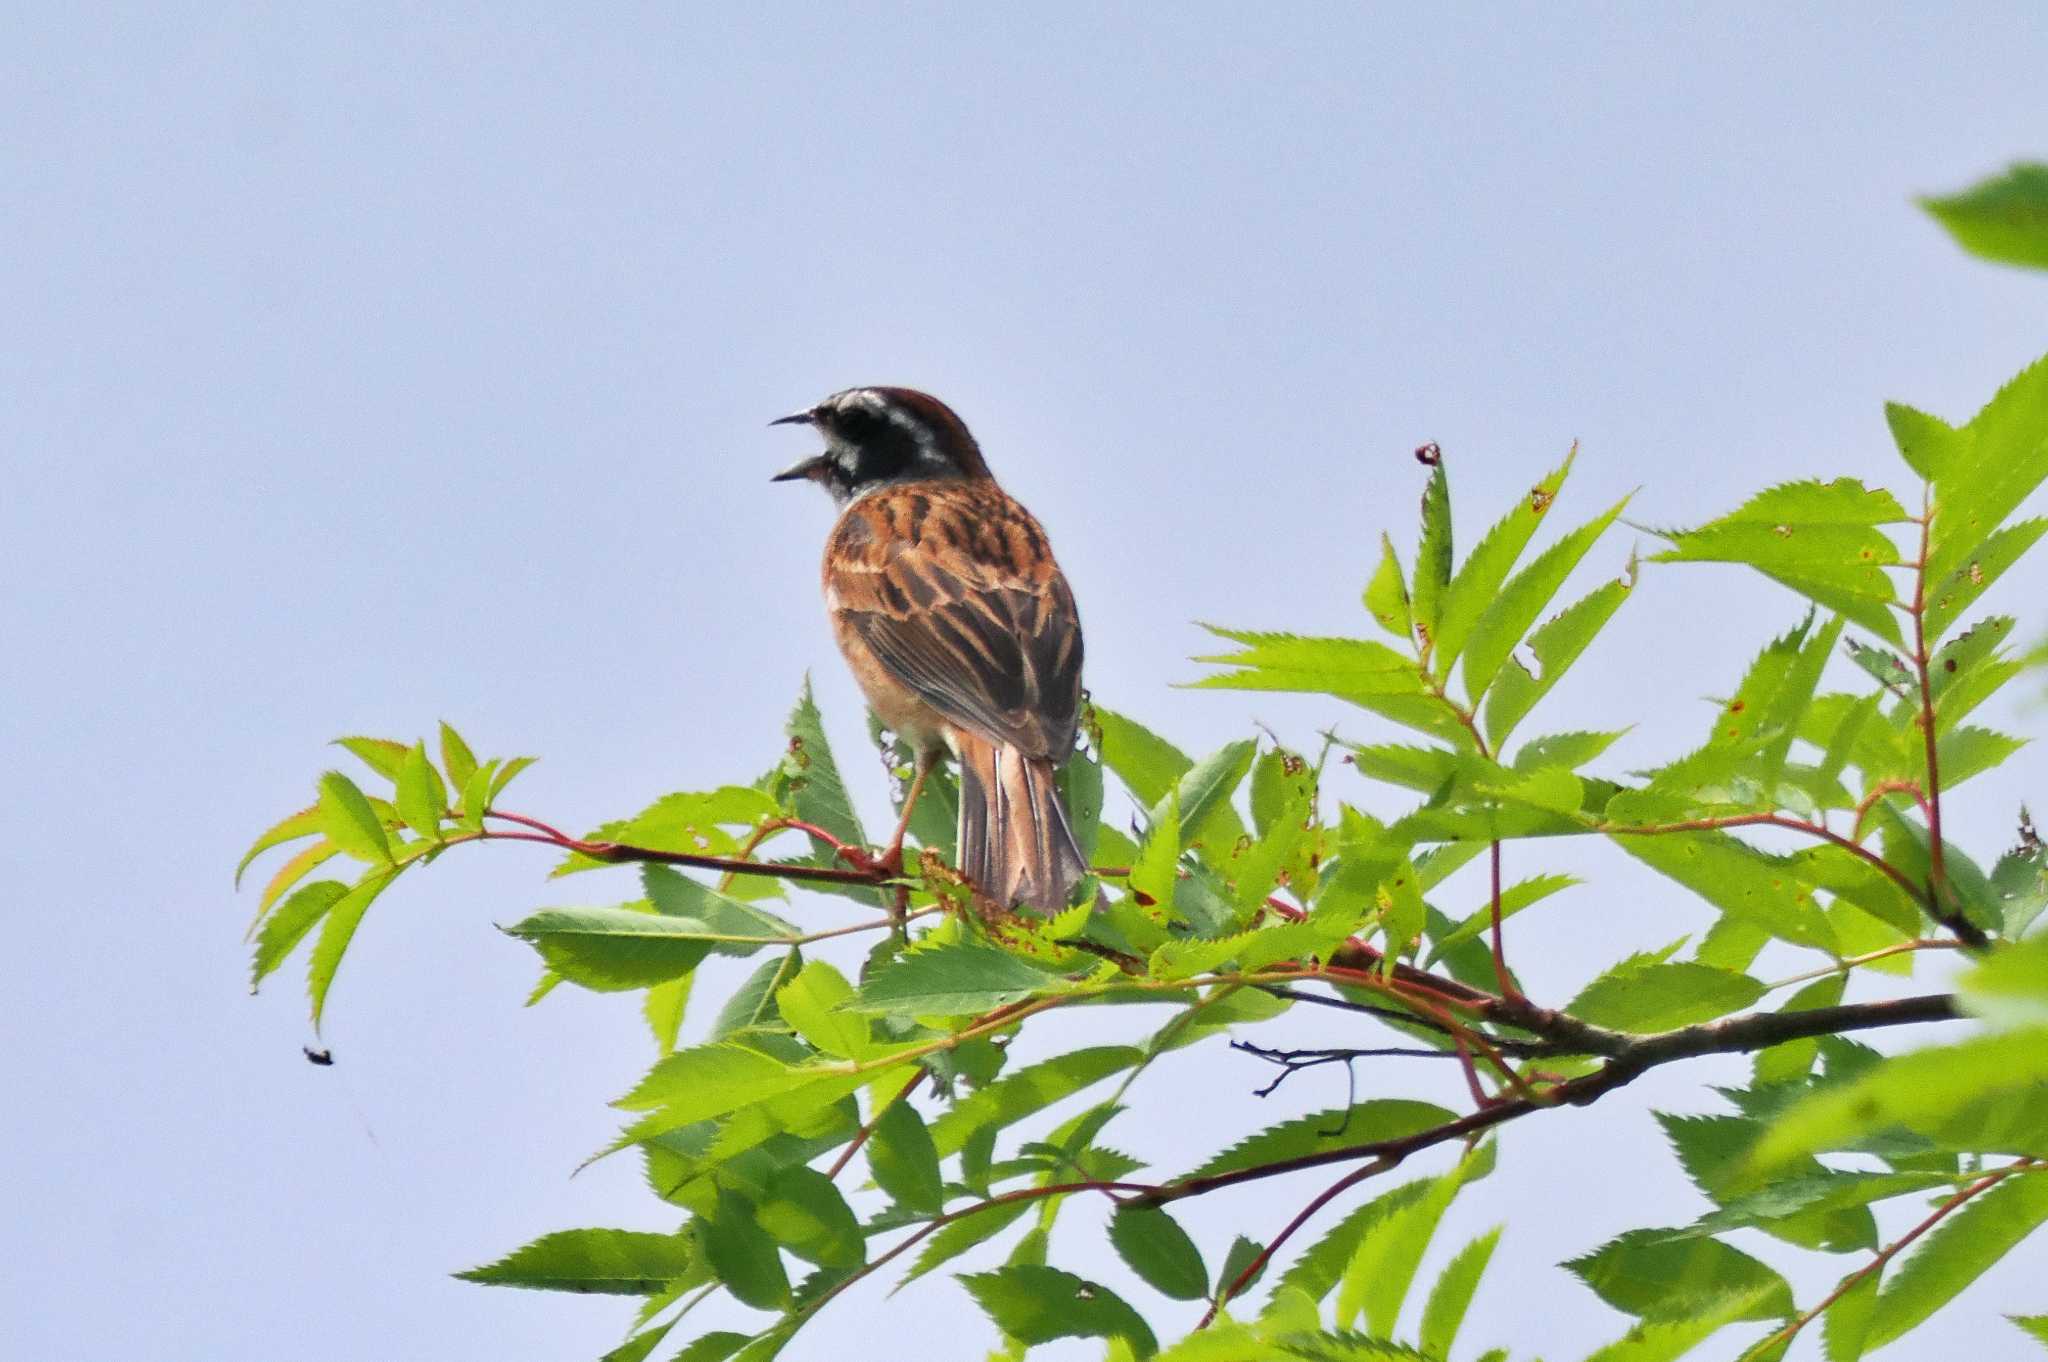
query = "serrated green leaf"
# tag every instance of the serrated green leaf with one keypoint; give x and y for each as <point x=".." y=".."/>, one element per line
<point x="2034" y="1326"/>
<point x="1344" y="667"/>
<point x="813" y="1003"/>
<point x="1958" y="1252"/>
<point x="1386" y="595"/>
<point x="1382" y="1267"/>
<point x="804" y="1212"/>
<point x="1965" y="752"/>
<point x="382" y="755"/>
<point x="1386" y="1118"/>
<point x="1156" y="871"/>
<point x="1433" y="556"/>
<point x="613" y="949"/>
<point x="706" y="1081"/>
<point x="1242" y="1253"/>
<point x="1555" y="646"/>
<point x="1927" y="1090"/>
<point x="303" y="862"/>
<point x="337" y="929"/>
<point x="1522" y="601"/>
<point x="1513" y="900"/>
<point x="1819" y="539"/>
<point x="1846" y="1324"/>
<point x="1478" y="581"/>
<point x="1738" y="879"/>
<point x="1153" y="1245"/>
<point x="1035" y="1304"/>
<point x="611" y="1262"/>
<point x="1317" y="1271"/>
<point x="476" y="795"/>
<point x="952" y="980"/>
<point x="1016" y="1095"/>
<point x="2009" y="985"/>
<point x="507" y="774"/>
<point x="2003" y="218"/>
<point x="958" y="1236"/>
<point x="304" y="823"/>
<point x="904" y="1161"/>
<point x="1147" y="764"/>
<point x="1642" y="996"/>
<point x="1451" y="1297"/>
<point x="752" y="1005"/>
<point x="663" y="1008"/>
<point x="1807" y="1195"/>
<point x="456" y="758"/>
<point x="734" y="928"/>
<point x="743" y="1255"/>
<point x="2006" y="458"/>
<point x="1957" y="589"/>
<point x="284" y="929"/>
<point x="1927" y="443"/>
<point x="422" y="799"/>
<point x="1666" y="1340"/>
<point x="1645" y="1274"/>
<point x="349" y="821"/>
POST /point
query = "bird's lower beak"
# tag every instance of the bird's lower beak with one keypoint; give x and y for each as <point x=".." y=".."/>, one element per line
<point x="804" y="470"/>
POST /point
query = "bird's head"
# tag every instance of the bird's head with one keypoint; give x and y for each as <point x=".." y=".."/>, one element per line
<point x="877" y="436"/>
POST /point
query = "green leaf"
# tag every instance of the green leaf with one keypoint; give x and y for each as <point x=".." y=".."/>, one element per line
<point x="1522" y="601"/>
<point x="1452" y="1295"/>
<point x="1822" y="1191"/>
<point x="476" y="795"/>
<point x="958" y="1236"/>
<point x="951" y="981"/>
<point x="2035" y="1326"/>
<point x="1317" y="1271"/>
<point x="381" y="755"/>
<point x="456" y="757"/>
<point x="1957" y="1253"/>
<point x="1386" y="596"/>
<point x="1156" y="871"/>
<point x="1240" y="1257"/>
<point x="1928" y="1091"/>
<point x="336" y="931"/>
<point x="743" y="1255"/>
<point x="1433" y="556"/>
<point x="1741" y="881"/>
<point x="1792" y="1060"/>
<point x="1645" y="1274"/>
<point x="1642" y="995"/>
<point x="805" y="1213"/>
<point x="1819" y="539"/>
<point x="811" y="779"/>
<point x="304" y="823"/>
<point x="284" y="929"/>
<point x="1478" y="581"/>
<point x="1345" y="667"/>
<point x="1381" y="1118"/>
<point x="1147" y="764"/>
<point x="1382" y="1267"/>
<point x="663" y="1007"/>
<point x="507" y="773"/>
<point x="2009" y="985"/>
<point x="1846" y="1325"/>
<point x="1665" y="1340"/>
<point x="1957" y="589"/>
<point x="1927" y="443"/>
<point x="422" y="799"/>
<point x="706" y="1081"/>
<point x="1207" y="787"/>
<point x="2003" y="218"/>
<point x="2006" y="459"/>
<point x="752" y="1005"/>
<point x="1557" y="644"/>
<point x="1035" y="1305"/>
<point x="613" y="949"/>
<point x="610" y="1262"/>
<point x="904" y="1161"/>
<point x="812" y="1003"/>
<point x="1513" y="900"/>
<point x="734" y="928"/>
<point x="1153" y="1245"/>
<point x="1017" y="1095"/>
<point x="349" y="821"/>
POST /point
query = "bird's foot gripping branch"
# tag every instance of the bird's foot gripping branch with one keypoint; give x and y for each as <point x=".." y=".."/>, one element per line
<point x="859" y="1109"/>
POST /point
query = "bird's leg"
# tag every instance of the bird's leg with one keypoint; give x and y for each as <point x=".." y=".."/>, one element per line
<point x="891" y="858"/>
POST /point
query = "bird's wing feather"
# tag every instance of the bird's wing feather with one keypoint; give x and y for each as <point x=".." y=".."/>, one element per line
<point x="954" y="589"/>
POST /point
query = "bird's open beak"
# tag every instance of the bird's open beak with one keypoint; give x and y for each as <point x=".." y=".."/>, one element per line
<point x="805" y="469"/>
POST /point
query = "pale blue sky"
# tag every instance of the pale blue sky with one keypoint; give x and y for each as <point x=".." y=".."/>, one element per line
<point x="364" y="367"/>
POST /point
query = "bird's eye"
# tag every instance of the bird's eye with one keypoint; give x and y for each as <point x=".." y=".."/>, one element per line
<point x="855" y="420"/>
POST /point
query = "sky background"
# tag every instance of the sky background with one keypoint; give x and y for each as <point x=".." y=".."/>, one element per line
<point x="365" y="366"/>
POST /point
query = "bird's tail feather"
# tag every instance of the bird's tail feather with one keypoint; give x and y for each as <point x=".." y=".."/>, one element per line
<point x="1015" y="842"/>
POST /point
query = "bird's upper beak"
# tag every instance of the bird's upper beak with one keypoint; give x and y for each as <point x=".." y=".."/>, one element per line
<point x="804" y="469"/>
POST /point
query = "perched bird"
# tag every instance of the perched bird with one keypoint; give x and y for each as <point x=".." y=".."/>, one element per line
<point x="959" y="627"/>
